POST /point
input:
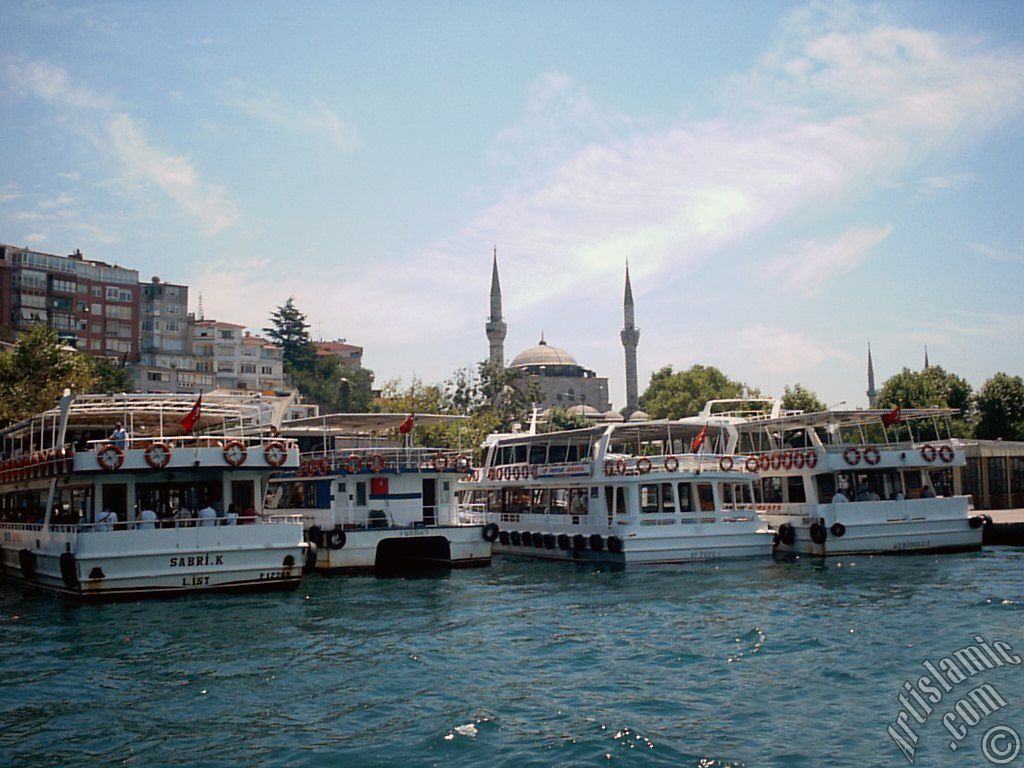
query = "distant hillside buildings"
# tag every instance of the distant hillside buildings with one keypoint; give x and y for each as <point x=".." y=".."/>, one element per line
<point x="103" y="310"/>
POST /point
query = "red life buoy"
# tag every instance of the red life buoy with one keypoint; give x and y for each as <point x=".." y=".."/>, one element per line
<point x="776" y="461"/>
<point x="811" y="459"/>
<point x="490" y="473"/>
<point x="276" y="453"/>
<point x="353" y="464"/>
<point x="609" y="467"/>
<point x="643" y="465"/>
<point x="726" y="463"/>
<point x="671" y="464"/>
<point x="158" y="455"/>
<point x="787" y="460"/>
<point x="620" y="467"/>
<point x="852" y="456"/>
<point x="798" y="459"/>
<point x="928" y="453"/>
<point x="377" y="463"/>
<point x="946" y="454"/>
<point x="872" y="455"/>
<point x="764" y="461"/>
<point x="235" y="453"/>
<point x="751" y="464"/>
<point x="110" y="457"/>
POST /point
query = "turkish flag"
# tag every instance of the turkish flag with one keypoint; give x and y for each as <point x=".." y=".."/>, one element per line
<point x="189" y="422"/>
<point x="698" y="441"/>
<point x="406" y="427"/>
<point x="892" y="417"/>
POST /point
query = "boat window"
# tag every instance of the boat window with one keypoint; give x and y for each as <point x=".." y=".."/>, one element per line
<point x="517" y="500"/>
<point x="537" y="453"/>
<point x="826" y="488"/>
<point x="521" y="451"/>
<point x="942" y="481"/>
<point x="726" y="490"/>
<point x="559" y="501"/>
<point x="771" y="490"/>
<point x="583" y="451"/>
<point x="578" y="501"/>
<point x="615" y="499"/>
<point x="667" y="502"/>
<point x="649" y="498"/>
<point x="494" y="502"/>
<point x="360" y="494"/>
<point x="540" y="502"/>
<point x="557" y="454"/>
<point x="706" y="496"/>
<point x="685" y="497"/>
<point x="571" y="454"/>
<point x="795" y="493"/>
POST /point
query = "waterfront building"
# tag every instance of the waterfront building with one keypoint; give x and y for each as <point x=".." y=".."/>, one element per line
<point x="93" y="306"/>
<point x="237" y="358"/>
<point x="350" y="355"/>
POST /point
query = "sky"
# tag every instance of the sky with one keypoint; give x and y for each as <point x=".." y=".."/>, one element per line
<point x="788" y="181"/>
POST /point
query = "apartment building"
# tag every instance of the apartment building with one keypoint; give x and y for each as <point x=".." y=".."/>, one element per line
<point x="350" y="355"/>
<point x="236" y="358"/>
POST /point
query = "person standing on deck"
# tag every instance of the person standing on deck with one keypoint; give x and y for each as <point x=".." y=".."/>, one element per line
<point x="119" y="437"/>
<point x="207" y="516"/>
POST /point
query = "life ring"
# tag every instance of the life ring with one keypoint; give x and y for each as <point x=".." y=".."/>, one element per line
<point x="786" y="534"/>
<point x="852" y="456"/>
<point x="490" y="473"/>
<point x="620" y="467"/>
<point x="928" y="453"/>
<point x="643" y="465"/>
<point x="819" y="534"/>
<point x="751" y="464"/>
<point x="946" y="454"/>
<point x="110" y="457"/>
<point x="377" y="463"/>
<point x="671" y="464"/>
<point x="811" y="458"/>
<point x="764" y="461"/>
<point x="229" y="455"/>
<point x="276" y="453"/>
<point x="775" y="461"/>
<point x="798" y="459"/>
<point x="614" y="545"/>
<point x="158" y="455"/>
<point x="596" y="542"/>
<point x="872" y="455"/>
<point x="440" y="462"/>
<point x="353" y="464"/>
<point x="490" y="532"/>
<point x="336" y="538"/>
<point x="725" y="464"/>
<point x="787" y="460"/>
<point x="838" y="530"/>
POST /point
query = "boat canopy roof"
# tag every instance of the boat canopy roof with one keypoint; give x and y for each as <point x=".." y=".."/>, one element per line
<point x="843" y="418"/>
<point x="359" y="424"/>
<point x="153" y="414"/>
<point x="639" y="431"/>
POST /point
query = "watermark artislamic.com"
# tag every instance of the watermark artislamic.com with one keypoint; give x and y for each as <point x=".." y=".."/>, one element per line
<point x="963" y="705"/>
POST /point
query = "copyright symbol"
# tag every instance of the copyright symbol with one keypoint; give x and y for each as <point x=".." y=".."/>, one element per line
<point x="1000" y="745"/>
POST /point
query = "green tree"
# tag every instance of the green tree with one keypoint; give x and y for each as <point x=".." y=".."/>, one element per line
<point x="1000" y="407"/>
<point x="560" y="419"/>
<point x="289" y="329"/>
<point x="334" y="387"/>
<point x="35" y="373"/>
<point x="928" y="388"/>
<point x="507" y="395"/>
<point x="673" y="395"/>
<point x="799" y="398"/>
<point x="107" y="377"/>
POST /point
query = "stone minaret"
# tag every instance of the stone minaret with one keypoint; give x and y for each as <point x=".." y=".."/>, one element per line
<point x="872" y="393"/>
<point x="496" y="328"/>
<point x="926" y="357"/>
<point x="630" y="338"/>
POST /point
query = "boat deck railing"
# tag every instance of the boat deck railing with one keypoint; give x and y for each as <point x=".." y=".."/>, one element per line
<point x="379" y="459"/>
<point x="136" y="525"/>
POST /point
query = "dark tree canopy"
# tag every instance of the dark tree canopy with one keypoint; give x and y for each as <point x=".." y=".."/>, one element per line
<point x="674" y="395"/>
<point x="799" y="398"/>
<point x="1000" y="406"/>
<point x="289" y="329"/>
<point x="928" y="388"/>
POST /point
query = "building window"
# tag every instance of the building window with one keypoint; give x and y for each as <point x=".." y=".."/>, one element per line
<point x="227" y="334"/>
<point x="118" y="294"/>
<point x="97" y="292"/>
<point x="266" y="370"/>
<point x="172" y="327"/>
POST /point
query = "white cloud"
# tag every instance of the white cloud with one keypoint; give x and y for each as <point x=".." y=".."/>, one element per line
<point x="933" y="185"/>
<point x="815" y="262"/>
<point x="123" y="137"/>
<point x="316" y="119"/>
<point x="34" y="238"/>
<point x="1011" y="255"/>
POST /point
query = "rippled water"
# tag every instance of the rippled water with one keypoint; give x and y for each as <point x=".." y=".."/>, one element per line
<point x="793" y="663"/>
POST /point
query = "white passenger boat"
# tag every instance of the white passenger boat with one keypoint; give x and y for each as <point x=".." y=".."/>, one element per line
<point x="152" y="512"/>
<point x="371" y="501"/>
<point x="847" y="482"/>
<point x="625" y="494"/>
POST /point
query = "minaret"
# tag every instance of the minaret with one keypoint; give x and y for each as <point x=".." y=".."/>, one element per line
<point x="495" y="327"/>
<point x="872" y="393"/>
<point x="630" y="338"/>
<point x="926" y="357"/>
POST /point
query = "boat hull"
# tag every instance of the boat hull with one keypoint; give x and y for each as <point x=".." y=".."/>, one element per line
<point x="156" y="562"/>
<point x="395" y="549"/>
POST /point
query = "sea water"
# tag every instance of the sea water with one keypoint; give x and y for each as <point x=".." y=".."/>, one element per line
<point x="748" y="663"/>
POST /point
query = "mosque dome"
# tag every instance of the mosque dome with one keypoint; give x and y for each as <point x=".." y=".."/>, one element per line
<point x="545" y="355"/>
<point x="585" y="410"/>
<point x="639" y="416"/>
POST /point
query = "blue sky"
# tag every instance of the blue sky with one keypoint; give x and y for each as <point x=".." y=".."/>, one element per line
<point x="787" y="180"/>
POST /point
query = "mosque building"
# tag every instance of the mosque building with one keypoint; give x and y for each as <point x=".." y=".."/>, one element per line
<point x="562" y="381"/>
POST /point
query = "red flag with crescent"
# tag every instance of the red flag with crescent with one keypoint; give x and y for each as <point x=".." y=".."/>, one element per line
<point x="189" y="422"/>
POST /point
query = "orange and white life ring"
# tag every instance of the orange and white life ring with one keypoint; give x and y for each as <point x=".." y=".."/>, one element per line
<point x="798" y="459"/>
<point x="928" y="453"/>
<point x="946" y="454"/>
<point x="276" y="453"/>
<point x="353" y="464"/>
<point x="158" y="455"/>
<point x="671" y="464"/>
<point x="787" y="460"/>
<point x="872" y="455"/>
<point x="643" y="465"/>
<point x="726" y="463"/>
<point x="110" y="456"/>
<point x="235" y="453"/>
<point x="852" y="456"/>
<point x="377" y="463"/>
<point x="751" y="464"/>
<point x="811" y="458"/>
